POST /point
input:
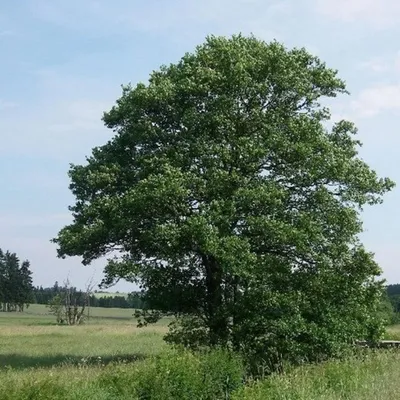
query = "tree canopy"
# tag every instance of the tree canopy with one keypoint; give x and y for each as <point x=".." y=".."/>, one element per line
<point x="229" y="200"/>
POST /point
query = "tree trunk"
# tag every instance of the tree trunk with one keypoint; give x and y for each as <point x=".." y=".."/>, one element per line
<point x="217" y="319"/>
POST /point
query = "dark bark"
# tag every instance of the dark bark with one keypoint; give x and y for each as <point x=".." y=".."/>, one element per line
<point x="217" y="318"/>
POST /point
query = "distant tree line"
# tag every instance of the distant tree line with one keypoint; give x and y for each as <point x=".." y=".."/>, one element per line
<point x="16" y="289"/>
<point x="17" y="292"/>
<point x="393" y="296"/>
<point x="45" y="295"/>
<point x="390" y="305"/>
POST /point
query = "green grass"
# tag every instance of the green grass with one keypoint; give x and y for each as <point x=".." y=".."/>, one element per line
<point x="375" y="376"/>
<point x="47" y="346"/>
<point x="38" y="314"/>
<point x="32" y="339"/>
<point x="109" y="358"/>
<point x="393" y="332"/>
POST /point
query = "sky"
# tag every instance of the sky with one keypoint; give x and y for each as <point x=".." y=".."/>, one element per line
<point x="63" y="64"/>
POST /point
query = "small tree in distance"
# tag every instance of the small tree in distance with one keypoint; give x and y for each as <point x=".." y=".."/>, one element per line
<point x="233" y="205"/>
<point x="69" y="305"/>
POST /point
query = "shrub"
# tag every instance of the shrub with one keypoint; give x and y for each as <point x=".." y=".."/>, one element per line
<point x="178" y="375"/>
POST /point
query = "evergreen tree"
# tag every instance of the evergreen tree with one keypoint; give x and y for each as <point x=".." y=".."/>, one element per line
<point x="16" y="289"/>
<point x="25" y="292"/>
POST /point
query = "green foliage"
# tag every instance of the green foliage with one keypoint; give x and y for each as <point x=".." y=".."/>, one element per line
<point x="390" y="305"/>
<point x="393" y="294"/>
<point x="69" y="304"/>
<point x="16" y="290"/>
<point x="56" y="307"/>
<point x="386" y="310"/>
<point x="178" y="375"/>
<point x="393" y="290"/>
<point x="233" y="205"/>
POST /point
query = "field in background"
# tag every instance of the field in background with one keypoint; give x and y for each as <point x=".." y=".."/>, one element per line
<point x="110" y="294"/>
<point x="32" y="339"/>
<point x="38" y="314"/>
<point x="110" y="358"/>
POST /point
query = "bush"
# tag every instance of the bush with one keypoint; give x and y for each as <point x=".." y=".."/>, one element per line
<point x="178" y="375"/>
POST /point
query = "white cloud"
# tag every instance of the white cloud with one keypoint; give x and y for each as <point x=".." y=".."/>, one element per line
<point x="368" y="103"/>
<point x="387" y="64"/>
<point x="60" y="131"/>
<point x="65" y="121"/>
<point x="375" y="65"/>
<point x="384" y="95"/>
<point x="377" y="99"/>
<point x="378" y="13"/>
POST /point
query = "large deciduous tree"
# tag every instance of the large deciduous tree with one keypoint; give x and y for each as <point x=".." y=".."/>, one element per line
<point x="232" y="204"/>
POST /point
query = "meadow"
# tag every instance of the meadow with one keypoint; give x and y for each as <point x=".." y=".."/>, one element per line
<point x="110" y="358"/>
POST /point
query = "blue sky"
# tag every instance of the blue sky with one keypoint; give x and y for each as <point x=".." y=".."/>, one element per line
<point x="63" y="63"/>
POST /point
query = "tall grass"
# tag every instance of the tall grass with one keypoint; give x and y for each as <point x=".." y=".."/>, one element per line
<point x="374" y="375"/>
<point x="47" y="346"/>
<point x="115" y="360"/>
<point x="210" y="376"/>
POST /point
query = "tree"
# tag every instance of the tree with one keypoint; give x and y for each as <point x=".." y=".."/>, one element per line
<point x="16" y="289"/>
<point x="393" y="296"/>
<point x="69" y="304"/>
<point x="24" y="289"/>
<point x="56" y="307"/>
<point x="386" y="310"/>
<point x="232" y="204"/>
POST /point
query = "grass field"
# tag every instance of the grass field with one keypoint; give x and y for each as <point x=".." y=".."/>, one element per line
<point x="109" y="358"/>
<point x="38" y="314"/>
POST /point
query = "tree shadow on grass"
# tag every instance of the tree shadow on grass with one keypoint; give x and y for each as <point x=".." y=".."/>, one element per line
<point x="20" y="361"/>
